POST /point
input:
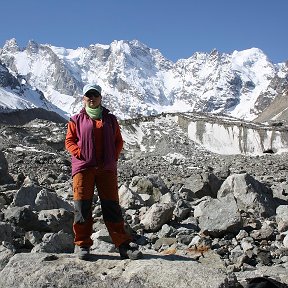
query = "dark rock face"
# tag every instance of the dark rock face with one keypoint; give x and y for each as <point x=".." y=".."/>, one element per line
<point x="21" y="117"/>
<point x="6" y="78"/>
<point x="177" y="199"/>
<point x="3" y="167"/>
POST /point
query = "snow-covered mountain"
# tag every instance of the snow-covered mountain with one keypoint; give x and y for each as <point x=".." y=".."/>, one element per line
<point x="138" y="80"/>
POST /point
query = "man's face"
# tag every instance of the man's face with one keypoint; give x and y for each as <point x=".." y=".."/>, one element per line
<point x="92" y="99"/>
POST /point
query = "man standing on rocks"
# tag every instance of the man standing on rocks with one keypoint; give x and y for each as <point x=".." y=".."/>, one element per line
<point x="94" y="140"/>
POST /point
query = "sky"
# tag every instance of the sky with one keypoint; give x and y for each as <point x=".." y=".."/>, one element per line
<point x="177" y="29"/>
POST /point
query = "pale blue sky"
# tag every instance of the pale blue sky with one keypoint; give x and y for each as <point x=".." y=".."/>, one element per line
<point x="177" y="28"/>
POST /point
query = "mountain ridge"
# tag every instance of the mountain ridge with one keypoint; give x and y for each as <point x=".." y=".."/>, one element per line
<point x="138" y="80"/>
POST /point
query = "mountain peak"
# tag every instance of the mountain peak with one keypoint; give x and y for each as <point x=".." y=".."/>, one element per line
<point x="214" y="52"/>
<point x="138" y="80"/>
<point x="11" y="46"/>
<point x="252" y="54"/>
<point x="32" y="46"/>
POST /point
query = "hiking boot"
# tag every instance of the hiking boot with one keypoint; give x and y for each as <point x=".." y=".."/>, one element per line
<point x="128" y="251"/>
<point x="82" y="252"/>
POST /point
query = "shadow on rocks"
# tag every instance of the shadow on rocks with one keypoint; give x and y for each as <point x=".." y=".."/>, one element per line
<point x="95" y="257"/>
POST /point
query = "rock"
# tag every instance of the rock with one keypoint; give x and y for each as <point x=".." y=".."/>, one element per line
<point x="282" y="217"/>
<point x="103" y="235"/>
<point x="26" y="195"/>
<point x="285" y="241"/>
<point x="217" y="218"/>
<point x="247" y="244"/>
<point x="23" y="217"/>
<point x="32" y="270"/>
<point x="243" y="229"/>
<point x="129" y="199"/>
<point x="56" y="220"/>
<point x="182" y="210"/>
<point x="186" y="194"/>
<point x="250" y="194"/>
<point x="55" y="243"/>
<point x="141" y="185"/>
<point x="151" y="185"/>
<point x="156" y="216"/>
<point x="100" y="246"/>
<point x="4" y="174"/>
<point x="34" y="237"/>
<point x="278" y="272"/>
<point x="166" y="231"/>
<point x="6" y="232"/>
<point x="46" y="200"/>
<point x="266" y="232"/>
<point x="203" y="184"/>
<point x="164" y="242"/>
<point x="6" y="252"/>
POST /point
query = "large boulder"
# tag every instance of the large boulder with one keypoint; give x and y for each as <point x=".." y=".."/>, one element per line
<point x="23" y="217"/>
<point x="251" y="196"/>
<point x="200" y="185"/>
<point x="216" y="218"/>
<point x="39" y="198"/>
<point x="64" y="270"/>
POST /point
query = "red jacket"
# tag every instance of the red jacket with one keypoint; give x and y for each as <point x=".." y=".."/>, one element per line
<point x="93" y="143"/>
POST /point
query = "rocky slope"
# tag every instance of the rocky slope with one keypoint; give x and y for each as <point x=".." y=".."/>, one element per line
<point x="174" y="195"/>
<point x="275" y="110"/>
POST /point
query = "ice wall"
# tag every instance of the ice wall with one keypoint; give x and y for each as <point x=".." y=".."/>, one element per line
<point x="224" y="137"/>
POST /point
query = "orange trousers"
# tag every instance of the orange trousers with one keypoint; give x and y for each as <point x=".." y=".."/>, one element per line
<point x="83" y="191"/>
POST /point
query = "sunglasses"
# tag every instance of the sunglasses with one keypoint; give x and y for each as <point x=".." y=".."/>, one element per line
<point x="91" y="94"/>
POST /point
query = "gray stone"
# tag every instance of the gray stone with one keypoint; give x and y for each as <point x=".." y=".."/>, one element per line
<point x="56" y="220"/>
<point x="282" y="217"/>
<point x="6" y="232"/>
<point x="203" y="184"/>
<point x="55" y="243"/>
<point x="265" y="233"/>
<point x="46" y="200"/>
<point x="34" y="237"/>
<point x="102" y="235"/>
<point x="4" y="175"/>
<point x="251" y="195"/>
<point x="164" y="242"/>
<point x="181" y="211"/>
<point x="156" y="216"/>
<point x="129" y="199"/>
<point x="6" y="252"/>
<point x="24" y="217"/>
<point x="36" y="270"/>
<point x="218" y="218"/>
<point x="285" y="241"/>
<point x="26" y="195"/>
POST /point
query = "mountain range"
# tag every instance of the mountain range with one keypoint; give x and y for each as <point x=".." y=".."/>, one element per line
<point x="137" y="80"/>
<point x="202" y="174"/>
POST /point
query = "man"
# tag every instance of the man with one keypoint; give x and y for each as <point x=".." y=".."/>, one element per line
<point x="94" y="140"/>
